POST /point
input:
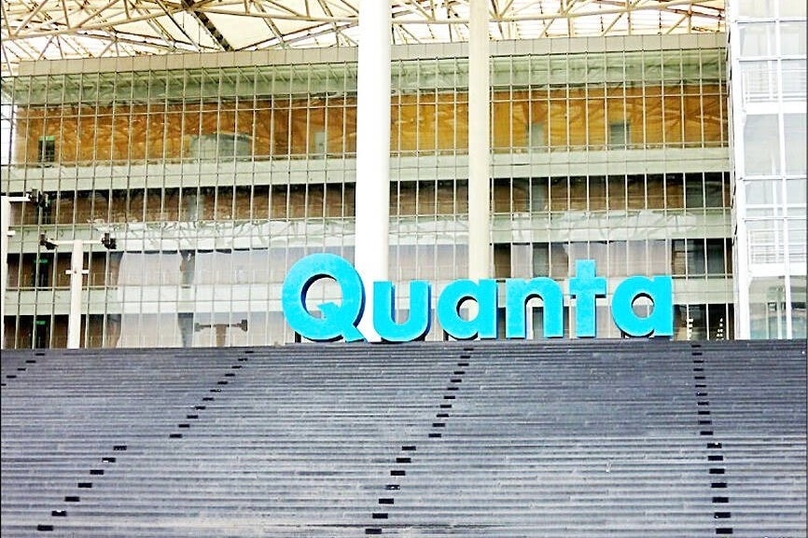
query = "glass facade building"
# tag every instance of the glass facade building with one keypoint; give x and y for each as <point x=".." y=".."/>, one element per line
<point x="216" y="172"/>
<point x="767" y="51"/>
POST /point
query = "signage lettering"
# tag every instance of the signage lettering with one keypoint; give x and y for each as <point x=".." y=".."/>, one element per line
<point x="336" y="322"/>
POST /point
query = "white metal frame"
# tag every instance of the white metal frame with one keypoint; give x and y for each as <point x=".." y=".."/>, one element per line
<point x="60" y="29"/>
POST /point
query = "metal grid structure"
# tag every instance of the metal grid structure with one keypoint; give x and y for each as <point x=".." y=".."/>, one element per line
<point x="612" y="148"/>
<point x="60" y="29"/>
<point x="768" y="90"/>
<point x="192" y="218"/>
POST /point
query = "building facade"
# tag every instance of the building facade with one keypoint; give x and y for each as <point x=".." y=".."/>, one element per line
<point x="216" y="172"/>
<point x="768" y="90"/>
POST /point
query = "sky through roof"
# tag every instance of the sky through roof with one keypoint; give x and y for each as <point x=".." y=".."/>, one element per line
<point x="62" y="29"/>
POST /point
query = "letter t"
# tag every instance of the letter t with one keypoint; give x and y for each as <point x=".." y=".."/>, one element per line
<point x="586" y="288"/>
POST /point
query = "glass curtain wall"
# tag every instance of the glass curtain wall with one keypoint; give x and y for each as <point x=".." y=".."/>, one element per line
<point x="768" y="90"/>
<point x="214" y="181"/>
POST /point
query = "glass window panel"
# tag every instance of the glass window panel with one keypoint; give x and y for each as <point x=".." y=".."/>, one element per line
<point x="636" y="193"/>
<point x="765" y="241"/>
<point x="694" y="191"/>
<point x="619" y="134"/>
<point x="558" y="194"/>
<point x="426" y="194"/>
<point x="793" y="38"/>
<point x="714" y="190"/>
<point x="599" y="252"/>
<point x="759" y="80"/>
<point x="502" y="260"/>
<point x="537" y="138"/>
<point x="796" y="192"/>
<point x="716" y="257"/>
<point x="597" y="193"/>
<point x="656" y="191"/>
<point x="520" y="195"/>
<point x="696" y="257"/>
<point x="617" y="192"/>
<point x="578" y="193"/>
<point x="522" y="261"/>
<point x="638" y="257"/>
<point x="47" y="149"/>
<point x="762" y="145"/>
<point x="297" y="201"/>
<point x="767" y="308"/>
<point x="758" y="39"/>
<point x="788" y="8"/>
<point x="539" y="194"/>
<point x="793" y="80"/>
<point x="797" y="246"/>
<point x="695" y="320"/>
<point x="795" y="143"/>
<point x="758" y="8"/>
<point x="762" y="192"/>
<point x="541" y="259"/>
<point x="799" y="315"/>
<point x="618" y="263"/>
<point x="657" y="256"/>
<point x="720" y="322"/>
<point x="687" y="257"/>
<point x="559" y="260"/>
<point x="674" y="191"/>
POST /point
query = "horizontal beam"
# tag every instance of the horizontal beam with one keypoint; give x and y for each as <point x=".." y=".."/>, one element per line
<point x="111" y="21"/>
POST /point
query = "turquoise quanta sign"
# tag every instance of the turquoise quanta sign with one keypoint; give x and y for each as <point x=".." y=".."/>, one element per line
<point x="339" y="321"/>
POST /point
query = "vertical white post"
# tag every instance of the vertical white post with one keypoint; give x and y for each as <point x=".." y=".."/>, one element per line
<point x="373" y="151"/>
<point x="479" y="141"/>
<point x="742" y="266"/>
<point x="76" y="273"/>
<point x="5" y="221"/>
<point x="740" y="260"/>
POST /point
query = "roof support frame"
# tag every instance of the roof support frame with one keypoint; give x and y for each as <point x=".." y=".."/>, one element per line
<point x="140" y="25"/>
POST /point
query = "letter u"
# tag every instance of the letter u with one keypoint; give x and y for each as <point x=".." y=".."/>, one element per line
<point x="384" y="312"/>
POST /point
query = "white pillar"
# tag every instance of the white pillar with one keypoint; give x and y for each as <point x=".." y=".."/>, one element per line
<point x="742" y="267"/>
<point x="76" y="273"/>
<point x="373" y="151"/>
<point x="5" y="221"/>
<point x="479" y="141"/>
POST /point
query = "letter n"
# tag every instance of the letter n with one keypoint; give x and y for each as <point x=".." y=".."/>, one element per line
<point x="518" y="292"/>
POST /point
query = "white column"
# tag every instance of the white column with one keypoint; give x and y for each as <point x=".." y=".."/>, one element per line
<point x="76" y="273"/>
<point x="740" y="260"/>
<point x="741" y="270"/>
<point x="479" y="141"/>
<point x="5" y="220"/>
<point x="373" y="151"/>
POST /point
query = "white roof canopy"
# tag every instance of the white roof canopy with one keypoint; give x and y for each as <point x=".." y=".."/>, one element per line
<point x="61" y="29"/>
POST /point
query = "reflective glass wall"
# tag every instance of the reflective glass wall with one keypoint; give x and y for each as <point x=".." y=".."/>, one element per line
<point x="767" y="45"/>
<point x="215" y="180"/>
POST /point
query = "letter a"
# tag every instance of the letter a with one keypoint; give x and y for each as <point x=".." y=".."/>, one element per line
<point x="484" y="324"/>
<point x="659" y="290"/>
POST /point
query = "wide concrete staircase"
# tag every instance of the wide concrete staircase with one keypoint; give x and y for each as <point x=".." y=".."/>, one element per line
<point x="584" y="439"/>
